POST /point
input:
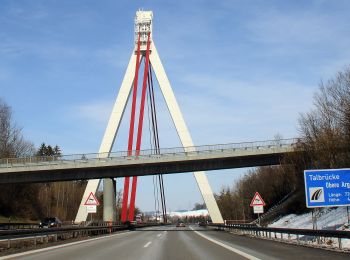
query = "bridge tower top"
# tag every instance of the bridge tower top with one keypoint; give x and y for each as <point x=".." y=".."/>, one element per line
<point x="143" y="25"/>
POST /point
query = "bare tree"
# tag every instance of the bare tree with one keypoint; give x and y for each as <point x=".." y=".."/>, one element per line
<point x="326" y="129"/>
<point x="12" y="143"/>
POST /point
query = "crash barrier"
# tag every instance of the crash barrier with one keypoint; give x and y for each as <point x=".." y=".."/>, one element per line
<point x="9" y="225"/>
<point x="9" y="238"/>
<point x="301" y="236"/>
<point x="238" y="221"/>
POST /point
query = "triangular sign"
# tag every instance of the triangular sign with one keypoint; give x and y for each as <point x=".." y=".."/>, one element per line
<point x="91" y="200"/>
<point x="257" y="200"/>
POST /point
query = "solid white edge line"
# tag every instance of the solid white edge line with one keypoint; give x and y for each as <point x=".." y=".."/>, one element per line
<point x="239" y="252"/>
<point x="59" y="246"/>
<point x="147" y="244"/>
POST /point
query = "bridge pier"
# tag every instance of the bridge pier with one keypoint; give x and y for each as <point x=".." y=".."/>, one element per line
<point x="109" y="202"/>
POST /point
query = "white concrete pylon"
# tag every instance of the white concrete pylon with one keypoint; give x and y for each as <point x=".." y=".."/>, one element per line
<point x="184" y="134"/>
<point x="145" y="21"/>
<point x="111" y="131"/>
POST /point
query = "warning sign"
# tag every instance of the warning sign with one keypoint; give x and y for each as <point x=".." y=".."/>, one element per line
<point x="91" y="200"/>
<point x="257" y="200"/>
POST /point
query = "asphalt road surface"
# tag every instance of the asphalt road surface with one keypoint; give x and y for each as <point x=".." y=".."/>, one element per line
<point x="177" y="243"/>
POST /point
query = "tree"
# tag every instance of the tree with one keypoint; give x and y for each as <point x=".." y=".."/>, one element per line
<point x="34" y="201"/>
<point x="15" y="199"/>
<point x="12" y="143"/>
<point x="198" y="206"/>
<point x="326" y="129"/>
<point x="48" y="150"/>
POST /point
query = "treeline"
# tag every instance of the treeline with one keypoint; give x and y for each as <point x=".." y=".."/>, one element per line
<point x="324" y="143"/>
<point x="35" y="200"/>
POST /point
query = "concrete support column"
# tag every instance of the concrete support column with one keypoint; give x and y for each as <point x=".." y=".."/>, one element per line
<point x="109" y="203"/>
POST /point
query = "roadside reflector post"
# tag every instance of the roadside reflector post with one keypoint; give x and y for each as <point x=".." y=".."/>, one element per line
<point x="339" y="242"/>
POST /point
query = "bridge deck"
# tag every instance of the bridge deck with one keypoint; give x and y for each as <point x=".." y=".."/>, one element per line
<point x="148" y="162"/>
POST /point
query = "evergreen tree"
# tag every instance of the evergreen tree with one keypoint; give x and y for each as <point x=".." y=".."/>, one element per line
<point x="57" y="150"/>
<point x="42" y="151"/>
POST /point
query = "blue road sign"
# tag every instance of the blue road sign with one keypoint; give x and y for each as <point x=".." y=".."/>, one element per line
<point x="327" y="188"/>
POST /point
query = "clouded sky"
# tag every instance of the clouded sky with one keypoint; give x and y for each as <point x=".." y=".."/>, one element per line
<point x="241" y="71"/>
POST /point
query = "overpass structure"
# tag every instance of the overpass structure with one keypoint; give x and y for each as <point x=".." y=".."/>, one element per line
<point x="148" y="162"/>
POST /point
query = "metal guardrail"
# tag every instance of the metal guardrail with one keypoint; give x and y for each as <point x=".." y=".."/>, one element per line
<point x="19" y="225"/>
<point x="147" y="154"/>
<point x="43" y="234"/>
<point x="270" y="232"/>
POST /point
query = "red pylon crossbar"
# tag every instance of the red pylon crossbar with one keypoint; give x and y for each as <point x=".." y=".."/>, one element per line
<point x="139" y="130"/>
<point x="131" y="131"/>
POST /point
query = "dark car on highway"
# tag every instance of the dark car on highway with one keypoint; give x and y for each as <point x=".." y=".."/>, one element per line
<point x="202" y="224"/>
<point x="50" y="222"/>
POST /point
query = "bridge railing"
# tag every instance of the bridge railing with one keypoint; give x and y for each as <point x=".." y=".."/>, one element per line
<point x="148" y="153"/>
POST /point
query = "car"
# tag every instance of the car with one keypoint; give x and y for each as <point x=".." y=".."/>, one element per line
<point x="180" y="224"/>
<point x="50" y="222"/>
<point x="202" y="224"/>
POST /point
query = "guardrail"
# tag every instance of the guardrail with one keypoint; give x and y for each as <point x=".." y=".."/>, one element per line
<point x="19" y="225"/>
<point x="147" y="154"/>
<point x="300" y="235"/>
<point x="43" y="235"/>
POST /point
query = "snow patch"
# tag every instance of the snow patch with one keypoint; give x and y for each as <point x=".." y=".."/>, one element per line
<point x="327" y="219"/>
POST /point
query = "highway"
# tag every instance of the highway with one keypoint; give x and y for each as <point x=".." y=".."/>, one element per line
<point x="177" y="243"/>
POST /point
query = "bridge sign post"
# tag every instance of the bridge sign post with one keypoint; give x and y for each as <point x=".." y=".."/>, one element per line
<point x="258" y="204"/>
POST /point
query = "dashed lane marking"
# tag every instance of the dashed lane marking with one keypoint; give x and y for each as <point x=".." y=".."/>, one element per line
<point x="147" y="244"/>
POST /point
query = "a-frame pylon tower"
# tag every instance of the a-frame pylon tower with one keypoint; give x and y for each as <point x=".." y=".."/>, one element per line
<point x="143" y="35"/>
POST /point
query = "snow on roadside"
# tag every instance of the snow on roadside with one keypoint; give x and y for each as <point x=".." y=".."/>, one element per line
<point x="328" y="218"/>
<point x="189" y="213"/>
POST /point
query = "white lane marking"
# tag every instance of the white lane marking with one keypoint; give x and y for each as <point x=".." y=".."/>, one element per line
<point x="248" y="256"/>
<point x="147" y="244"/>
<point x="60" y="246"/>
<point x="159" y="235"/>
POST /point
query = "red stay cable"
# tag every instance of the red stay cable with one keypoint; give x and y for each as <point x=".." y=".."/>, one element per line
<point x="131" y="132"/>
<point x="139" y="130"/>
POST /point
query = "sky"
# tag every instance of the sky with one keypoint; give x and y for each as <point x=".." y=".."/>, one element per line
<point x="241" y="71"/>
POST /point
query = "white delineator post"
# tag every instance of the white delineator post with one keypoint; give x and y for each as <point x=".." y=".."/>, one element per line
<point x="143" y="25"/>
